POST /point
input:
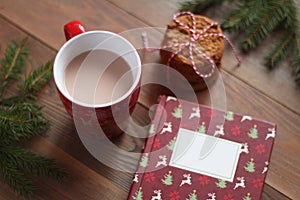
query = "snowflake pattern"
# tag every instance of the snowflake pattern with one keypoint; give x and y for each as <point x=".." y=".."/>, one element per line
<point x="204" y="180"/>
<point x="149" y="177"/>
<point x="260" y="149"/>
<point x="228" y="197"/>
<point x="211" y="113"/>
<point x="257" y="183"/>
<point x="174" y="195"/>
<point x="236" y="130"/>
<point x="156" y="143"/>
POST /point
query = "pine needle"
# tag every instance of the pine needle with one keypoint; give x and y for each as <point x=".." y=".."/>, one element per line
<point x="33" y="163"/>
<point x="199" y="5"/>
<point x="291" y="16"/>
<point x="20" y="119"/>
<point x="13" y="125"/>
<point x="32" y="84"/>
<point x="296" y="57"/>
<point x="266" y="22"/>
<point x="13" y="62"/>
<point x="242" y="17"/>
<point x="280" y="51"/>
<point x="14" y="177"/>
<point x="296" y="64"/>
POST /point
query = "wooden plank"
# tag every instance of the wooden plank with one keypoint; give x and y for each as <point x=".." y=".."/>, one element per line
<point x="110" y="18"/>
<point x="70" y="142"/>
<point x="63" y="124"/>
<point x="83" y="182"/>
<point x="155" y="13"/>
<point x="278" y="84"/>
<point x="45" y="19"/>
<point x="271" y="194"/>
<point x="7" y="193"/>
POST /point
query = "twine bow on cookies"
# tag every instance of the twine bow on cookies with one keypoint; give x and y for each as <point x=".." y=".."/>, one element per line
<point x="191" y="44"/>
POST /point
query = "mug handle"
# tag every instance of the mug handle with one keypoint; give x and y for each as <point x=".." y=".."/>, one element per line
<point x="73" y="28"/>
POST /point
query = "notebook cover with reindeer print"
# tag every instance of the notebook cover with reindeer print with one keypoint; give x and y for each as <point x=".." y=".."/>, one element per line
<point x="194" y="152"/>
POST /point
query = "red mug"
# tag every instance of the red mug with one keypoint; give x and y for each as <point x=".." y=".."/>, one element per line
<point x="109" y="117"/>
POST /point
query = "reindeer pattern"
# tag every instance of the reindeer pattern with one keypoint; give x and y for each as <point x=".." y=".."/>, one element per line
<point x="271" y="133"/>
<point x="157" y="195"/>
<point x="162" y="161"/>
<point x="167" y="128"/>
<point x="240" y="183"/>
<point x="187" y="180"/>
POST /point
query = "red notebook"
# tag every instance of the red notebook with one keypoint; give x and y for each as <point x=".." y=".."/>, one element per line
<point x="194" y="152"/>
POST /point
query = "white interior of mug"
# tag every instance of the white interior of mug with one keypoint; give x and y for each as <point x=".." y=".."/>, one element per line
<point x="90" y="41"/>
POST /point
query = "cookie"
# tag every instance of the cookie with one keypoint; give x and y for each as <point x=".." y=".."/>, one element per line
<point x="212" y="46"/>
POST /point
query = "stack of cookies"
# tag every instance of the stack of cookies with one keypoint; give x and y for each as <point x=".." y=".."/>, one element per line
<point x="212" y="46"/>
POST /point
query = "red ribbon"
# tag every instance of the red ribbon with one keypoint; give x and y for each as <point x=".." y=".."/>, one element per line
<point x="191" y="44"/>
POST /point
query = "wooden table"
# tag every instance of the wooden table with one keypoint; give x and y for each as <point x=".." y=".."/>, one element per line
<point x="250" y="89"/>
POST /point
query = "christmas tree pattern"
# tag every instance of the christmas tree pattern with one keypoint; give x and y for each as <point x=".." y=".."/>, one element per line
<point x="177" y="112"/>
<point x="168" y="179"/>
<point x="202" y="128"/>
<point x="221" y="184"/>
<point x="144" y="160"/>
<point x="138" y="194"/>
<point x="192" y="196"/>
<point x="171" y="144"/>
<point x="229" y="116"/>
<point x="152" y="129"/>
<point x="250" y="166"/>
<point x="253" y="132"/>
<point x="248" y="197"/>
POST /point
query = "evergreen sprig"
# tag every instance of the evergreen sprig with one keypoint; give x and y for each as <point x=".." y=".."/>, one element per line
<point x="197" y="6"/>
<point x="20" y="119"/>
<point x="12" y="63"/>
<point x="33" y="163"/>
<point x="296" y="57"/>
<point x="269" y="16"/>
<point x="15" y="177"/>
<point x="258" y="19"/>
<point x="280" y="50"/>
<point x="32" y="84"/>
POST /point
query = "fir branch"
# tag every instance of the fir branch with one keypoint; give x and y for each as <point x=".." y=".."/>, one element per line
<point x="280" y="51"/>
<point x="14" y="177"/>
<point x="12" y="63"/>
<point x="291" y="21"/>
<point x="266" y="22"/>
<point x="33" y="112"/>
<point x="21" y="118"/>
<point x="296" y="57"/>
<point x="197" y="6"/>
<point x="296" y="64"/>
<point x="242" y="17"/>
<point x="38" y="165"/>
<point x="31" y="85"/>
<point x="13" y="126"/>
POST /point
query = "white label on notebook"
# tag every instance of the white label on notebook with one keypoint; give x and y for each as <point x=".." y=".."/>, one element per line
<point x="205" y="154"/>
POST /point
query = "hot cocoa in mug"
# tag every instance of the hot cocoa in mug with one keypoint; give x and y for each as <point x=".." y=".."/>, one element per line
<point x="104" y="77"/>
<point x="97" y="75"/>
